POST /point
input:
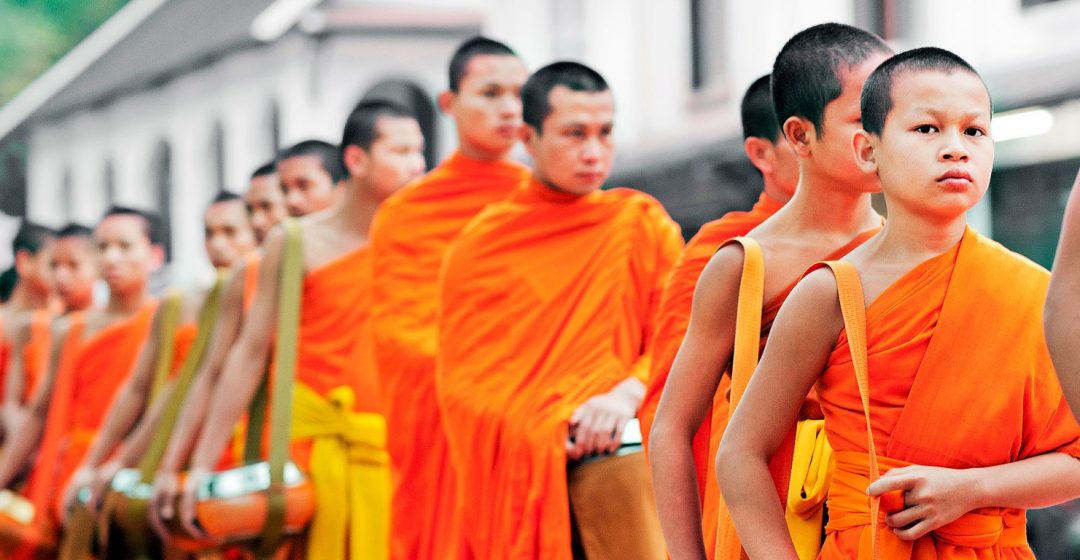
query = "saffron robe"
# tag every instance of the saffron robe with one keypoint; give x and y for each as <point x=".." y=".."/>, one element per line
<point x="673" y="316"/>
<point x="956" y="341"/>
<point x="409" y="237"/>
<point x="547" y="301"/>
<point x="721" y="539"/>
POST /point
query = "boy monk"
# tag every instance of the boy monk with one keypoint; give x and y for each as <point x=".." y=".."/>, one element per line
<point x="771" y="154"/>
<point x="73" y="267"/>
<point x="265" y="200"/>
<point x="382" y="148"/>
<point x="28" y="303"/>
<point x="816" y="80"/>
<point x="228" y="238"/>
<point x="952" y="394"/>
<point x="93" y="352"/>
<point x="547" y="306"/>
<point x="408" y="241"/>
<point x="1062" y="318"/>
<point x="309" y="172"/>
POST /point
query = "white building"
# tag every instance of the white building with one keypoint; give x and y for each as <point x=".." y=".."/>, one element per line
<point x="173" y="100"/>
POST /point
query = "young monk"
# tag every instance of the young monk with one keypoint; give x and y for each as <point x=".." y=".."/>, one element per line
<point x="772" y="156"/>
<point x="408" y="241"/>
<point x="382" y="148"/>
<point x="265" y="200"/>
<point x="73" y="267"/>
<point x="1062" y="320"/>
<point x="28" y="304"/>
<point x="816" y="81"/>
<point x="93" y="353"/>
<point x="952" y="394"/>
<point x="309" y="173"/>
<point x="228" y="238"/>
<point x="547" y="301"/>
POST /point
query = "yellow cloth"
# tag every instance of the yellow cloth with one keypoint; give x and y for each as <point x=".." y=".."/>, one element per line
<point x="811" y="473"/>
<point x="350" y="472"/>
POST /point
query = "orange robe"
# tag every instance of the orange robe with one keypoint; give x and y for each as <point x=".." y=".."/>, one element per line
<point x="408" y="240"/>
<point x="183" y="338"/>
<point x="721" y="540"/>
<point x="956" y="343"/>
<point x="35" y="353"/>
<point x="547" y="301"/>
<point x="673" y="317"/>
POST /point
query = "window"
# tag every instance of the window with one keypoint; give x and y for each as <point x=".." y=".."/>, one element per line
<point x="109" y="183"/>
<point x="67" y="195"/>
<point x="884" y="17"/>
<point x="217" y="158"/>
<point x="161" y="178"/>
<point x="708" y="63"/>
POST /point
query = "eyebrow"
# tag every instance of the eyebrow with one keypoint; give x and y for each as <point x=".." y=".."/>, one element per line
<point x="938" y="114"/>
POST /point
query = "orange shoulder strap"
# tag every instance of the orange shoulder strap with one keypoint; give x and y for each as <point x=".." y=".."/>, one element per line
<point x="747" y="319"/>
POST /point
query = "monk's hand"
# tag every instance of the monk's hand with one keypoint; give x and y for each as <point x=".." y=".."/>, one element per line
<point x="597" y="425"/>
<point x="188" y="500"/>
<point x="103" y="477"/>
<point x="933" y="497"/>
<point x="163" y="502"/>
<point x="84" y="476"/>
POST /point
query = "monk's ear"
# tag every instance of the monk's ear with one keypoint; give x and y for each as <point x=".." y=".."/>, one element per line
<point x="529" y="138"/>
<point x="446" y="101"/>
<point x="157" y="256"/>
<point x="799" y="133"/>
<point x="356" y="160"/>
<point x="759" y="150"/>
<point x="865" y="151"/>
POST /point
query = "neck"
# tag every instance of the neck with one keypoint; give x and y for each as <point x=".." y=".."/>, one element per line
<point x="358" y="209"/>
<point x="822" y="206"/>
<point x="475" y="152"/>
<point x="24" y="298"/>
<point x="774" y="192"/>
<point x="920" y="236"/>
<point x="125" y="303"/>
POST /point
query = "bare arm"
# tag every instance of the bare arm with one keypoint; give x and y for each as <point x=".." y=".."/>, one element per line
<point x="21" y="445"/>
<point x="1062" y="313"/>
<point x="15" y="377"/>
<point x="802" y="337"/>
<point x="687" y="397"/>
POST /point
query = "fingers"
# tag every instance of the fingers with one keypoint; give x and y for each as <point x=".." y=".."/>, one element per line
<point x="890" y="482"/>
<point x="907" y="517"/>
<point x="187" y="507"/>
<point x="915" y="531"/>
<point x="161" y="506"/>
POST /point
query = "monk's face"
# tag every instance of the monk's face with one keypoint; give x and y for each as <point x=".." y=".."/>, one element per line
<point x="125" y="254"/>
<point x="487" y="106"/>
<point x="935" y="153"/>
<point x="74" y="269"/>
<point x="832" y="158"/>
<point x="228" y="233"/>
<point x="574" y="151"/>
<point x="265" y="204"/>
<point x="396" y="156"/>
<point x="33" y="268"/>
<point x="306" y="185"/>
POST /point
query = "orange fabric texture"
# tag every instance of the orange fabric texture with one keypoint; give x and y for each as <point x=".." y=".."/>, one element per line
<point x="333" y="311"/>
<point x="996" y="390"/>
<point x="36" y="351"/>
<point x="251" y="277"/>
<point x="548" y="300"/>
<point x="409" y="238"/>
<point x="673" y="317"/>
<point x="721" y="539"/>
<point x="183" y="338"/>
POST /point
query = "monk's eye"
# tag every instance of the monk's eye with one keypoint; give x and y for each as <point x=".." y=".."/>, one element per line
<point x="491" y="93"/>
<point x="975" y="131"/>
<point x="925" y="129"/>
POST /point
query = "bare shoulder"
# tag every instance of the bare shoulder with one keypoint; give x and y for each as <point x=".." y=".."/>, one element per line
<point x="815" y="296"/>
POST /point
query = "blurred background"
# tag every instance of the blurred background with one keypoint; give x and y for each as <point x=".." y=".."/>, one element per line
<point x="161" y="104"/>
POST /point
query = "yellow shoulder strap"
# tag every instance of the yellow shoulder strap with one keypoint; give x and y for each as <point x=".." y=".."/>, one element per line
<point x="170" y="316"/>
<point x="744" y="357"/>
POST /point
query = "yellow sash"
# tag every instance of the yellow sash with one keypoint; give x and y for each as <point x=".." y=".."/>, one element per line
<point x="350" y="471"/>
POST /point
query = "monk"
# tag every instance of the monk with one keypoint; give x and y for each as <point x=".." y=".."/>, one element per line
<point x="1062" y="318"/>
<point x="936" y="384"/>
<point x="771" y="154"/>
<point x="228" y="238"/>
<point x="73" y="267"/>
<point x="93" y="353"/>
<point x="265" y="202"/>
<point x="27" y="304"/>
<point x="310" y="173"/>
<point x="547" y="302"/>
<point x="382" y="148"/>
<point x="408" y="242"/>
<point x="816" y="81"/>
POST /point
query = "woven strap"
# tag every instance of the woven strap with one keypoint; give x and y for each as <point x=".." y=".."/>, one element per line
<point x="744" y="357"/>
<point x="288" y="322"/>
<point x="170" y="317"/>
<point x="853" y="309"/>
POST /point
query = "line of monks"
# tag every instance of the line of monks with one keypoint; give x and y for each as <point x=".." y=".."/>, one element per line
<point x="474" y="343"/>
